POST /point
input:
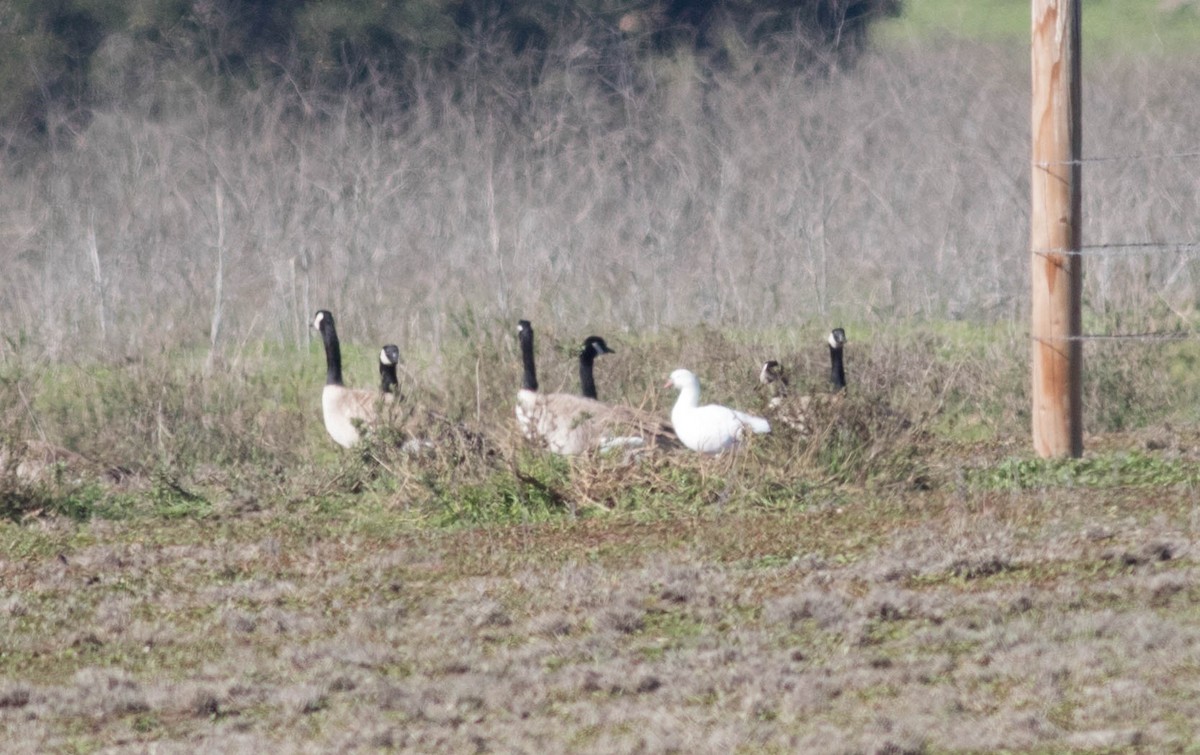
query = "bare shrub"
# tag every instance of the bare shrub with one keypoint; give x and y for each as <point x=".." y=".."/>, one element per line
<point x="890" y="190"/>
<point x="304" y="699"/>
<point x="100" y="693"/>
<point x="14" y="696"/>
<point x="624" y="619"/>
<point x="826" y="609"/>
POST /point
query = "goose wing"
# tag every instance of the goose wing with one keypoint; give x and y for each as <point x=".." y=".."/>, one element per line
<point x="570" y="424"/>
<point x="38" y="461"/>
<point x="344" y="408"/>
<point x="756" y="424"/>
<point x="714" y="428"/>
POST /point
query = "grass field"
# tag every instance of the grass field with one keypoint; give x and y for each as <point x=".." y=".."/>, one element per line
<point x="908" y="581"/>
<point x="1054" y="619"/>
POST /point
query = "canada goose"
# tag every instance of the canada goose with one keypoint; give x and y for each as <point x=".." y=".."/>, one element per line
<point x="389" y="357"/>
<point x="712" y="428"/>
<point x="799" y="412"/>
<point x="412" y="420"/>
<point x="342" y="407"/>
<point x="425" y="432"/>
<point x="569" y="424"/>
<point x="593" y="346"/>
<point x="837" y="369"/>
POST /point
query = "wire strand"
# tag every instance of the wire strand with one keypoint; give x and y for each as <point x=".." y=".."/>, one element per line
<point x="1119" y="158"/>
<point x="1118" y="337"/>
<point x="1128" y="248"/>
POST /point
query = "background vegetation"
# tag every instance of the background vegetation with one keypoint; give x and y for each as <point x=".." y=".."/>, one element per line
<point x="218" y="575"/>
<point x="184" y="213"/>
<point x="64" y="57"/>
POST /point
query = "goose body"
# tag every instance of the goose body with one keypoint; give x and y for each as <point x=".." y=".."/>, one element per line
<point x="343" y="408"/>
<point x="34" y="461"/>
<point x="794" y="412"/>
<point x="712" y="428"/>
<point x="569" y="425"/>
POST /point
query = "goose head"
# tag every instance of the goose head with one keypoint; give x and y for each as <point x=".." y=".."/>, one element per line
<point x="837" y="338"/>
<point x="686" y="382"/>
<point x="389" y="357"/>
<point x="322" y="319"/>
<point x="681" y="379"/>
<point x="595" y="346"/>
<point x="772" y="372"/>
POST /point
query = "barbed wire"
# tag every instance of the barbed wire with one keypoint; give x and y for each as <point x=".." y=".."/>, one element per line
<point x="1126" y="247"/>
<point x="1172" y="336"/>
<point x="1119" y="158"/>
<point x="1131" y="247"/>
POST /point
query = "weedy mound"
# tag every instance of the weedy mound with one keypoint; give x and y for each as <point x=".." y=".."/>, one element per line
<point x="169" y="435"/>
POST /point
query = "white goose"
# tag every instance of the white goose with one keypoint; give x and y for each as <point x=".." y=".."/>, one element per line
<point x="712" y="428"/>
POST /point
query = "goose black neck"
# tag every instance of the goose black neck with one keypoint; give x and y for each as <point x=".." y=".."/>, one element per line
<point x="780" y="387"/>
<point x="587" y="383"/>
<point x="387" y="378"/>
<point x="333" y="354"/>
<point x="837" y="373"/>
<point x="529" y="378"/>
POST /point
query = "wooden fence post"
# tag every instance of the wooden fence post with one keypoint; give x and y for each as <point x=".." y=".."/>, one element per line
<point x="1057" y="267"/>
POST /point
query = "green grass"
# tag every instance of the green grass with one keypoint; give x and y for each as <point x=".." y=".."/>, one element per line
<point x="1110" y="27"/>
<point x="1109" y="470"/>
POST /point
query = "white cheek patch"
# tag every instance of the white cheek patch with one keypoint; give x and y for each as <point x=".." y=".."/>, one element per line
<point x="317" y="320"/>
<point x="383" y="357"/>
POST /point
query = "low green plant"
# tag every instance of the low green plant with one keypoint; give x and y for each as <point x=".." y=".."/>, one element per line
<point x="534" y="488"/>
<point x="1107" y="470"/>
